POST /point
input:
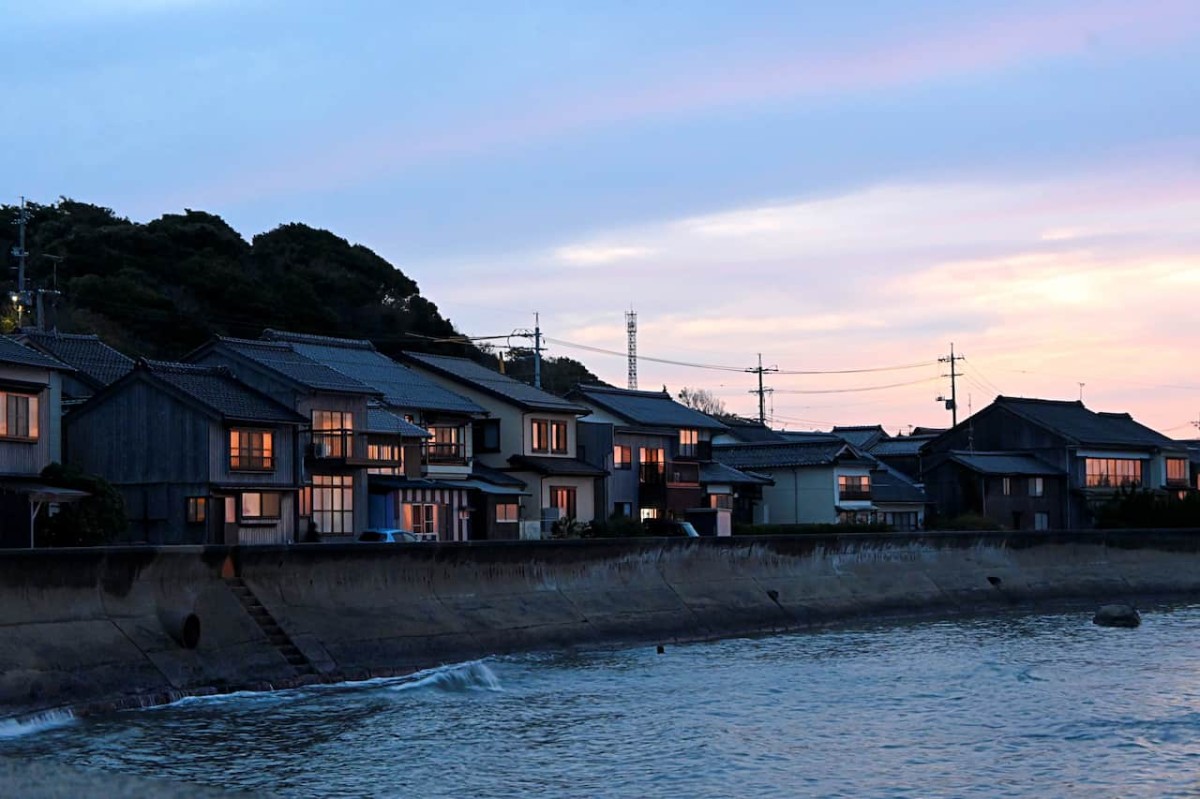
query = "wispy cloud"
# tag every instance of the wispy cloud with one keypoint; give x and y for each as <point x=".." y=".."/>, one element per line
<point x="890" y="275"/>
<point x="598" y="254"/>
<point x="981" y="44"/>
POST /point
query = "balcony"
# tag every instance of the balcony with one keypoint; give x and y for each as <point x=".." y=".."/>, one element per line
<point x="441" y="453"/>
<point x="700" y="451"/>
<point x="352" y="448"/>
<point x="854" y="495"/>
<point x="671" y="473"/>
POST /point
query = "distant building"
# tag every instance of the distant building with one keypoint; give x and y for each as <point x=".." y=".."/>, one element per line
<point x="659" y="455"/>
<point x="30" y="437"/>
<point x="530" y="435"/>
<point x="1038" y="464"/>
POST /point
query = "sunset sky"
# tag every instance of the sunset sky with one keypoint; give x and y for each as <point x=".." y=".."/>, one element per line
<point x="838" y="186"/>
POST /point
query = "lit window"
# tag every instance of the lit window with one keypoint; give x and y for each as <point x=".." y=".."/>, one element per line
<point x="332" y="503"/>
<point x="251" y="450"/>
<point x="18" y="416"/>
<point x="1112" y="472"/>
<point x="720" y="501"/>
<point x="563" y="498"/>
<point x="688" y="442"/>
<point x="332" y="433"/>
<point x="540" y="435"/>
<point x="507" y="511"/>
<point x="1006" y="486"/>
<point x="260" y="505"/>
<point x="389" y="454"/>
<point x="421" y="517"/>
<point x="1177" y="471"/>
<point x="1037" y="486"/>
<point x="854" y="487"/>
<point x="621" y="457"/>
<point x="446" y="445"/>
<point x="558" y="438"/>
<point x="197" y="509"/>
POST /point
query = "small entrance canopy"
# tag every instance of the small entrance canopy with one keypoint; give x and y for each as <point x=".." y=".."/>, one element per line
<point x="38" y="495"/>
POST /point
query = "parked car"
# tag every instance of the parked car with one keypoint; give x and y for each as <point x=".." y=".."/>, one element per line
<point x="672" y="528"/>
<point x="388" y="535"/>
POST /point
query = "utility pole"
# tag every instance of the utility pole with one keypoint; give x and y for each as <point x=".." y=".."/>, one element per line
<point x="631" y="336"/>
<point x="20" y="253"/>
<point x="760" y="370"/>
<point x="952" y="402"/>
<point x="537" y="350"/>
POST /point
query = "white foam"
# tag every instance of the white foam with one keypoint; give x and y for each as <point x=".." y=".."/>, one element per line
<point x="51" y="719"/>
<point x="473" y="675"/>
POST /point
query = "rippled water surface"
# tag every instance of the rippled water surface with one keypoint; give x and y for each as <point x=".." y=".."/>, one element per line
<point x="1020" y="706"/>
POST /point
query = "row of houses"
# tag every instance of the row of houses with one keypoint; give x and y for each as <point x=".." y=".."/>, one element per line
<point x="294" y="437"/>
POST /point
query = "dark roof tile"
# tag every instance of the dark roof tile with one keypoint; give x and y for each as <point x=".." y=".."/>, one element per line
<point x="782" y="455"/>
<point x="645" y="408"/>
<point x="93" y="360"/>
<point x="216" y="388"/>
<point x="17" y="354"/>
<point x="1073" y="421"/>
<point x="281" y="358"/>
<point x="479" y="377"/>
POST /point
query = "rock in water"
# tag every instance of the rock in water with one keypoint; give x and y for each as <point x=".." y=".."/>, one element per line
<point x="1117" y="616"/>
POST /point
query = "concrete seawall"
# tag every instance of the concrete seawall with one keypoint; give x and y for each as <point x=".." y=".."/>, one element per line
<point x="101" y="628"/>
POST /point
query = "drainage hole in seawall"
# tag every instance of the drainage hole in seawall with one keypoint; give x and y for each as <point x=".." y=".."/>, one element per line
<point x="995" y="581"/>
<point x="773" y="594"/>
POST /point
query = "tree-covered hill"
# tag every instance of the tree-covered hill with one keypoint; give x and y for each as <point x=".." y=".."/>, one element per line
<point x="162" y="288"/>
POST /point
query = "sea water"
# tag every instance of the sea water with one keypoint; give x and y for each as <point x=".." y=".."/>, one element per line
<point x="1004" y="706"/>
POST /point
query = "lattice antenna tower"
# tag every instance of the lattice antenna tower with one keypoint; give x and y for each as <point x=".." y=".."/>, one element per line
<point x="631" y="334"/>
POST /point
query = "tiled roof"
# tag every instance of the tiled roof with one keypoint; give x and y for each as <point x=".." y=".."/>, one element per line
<point x="889" y="485"/>
<point x="216" y="388"/>
<point x="1076" y="423"/>
<point x="783" y="455"/>
<point x="645" y="408"/>
<point x="400" y="386"/>
<point x="489" y="475"/>
<point x="380" y="420"/>
<point x="861" y="436"/>
<point x="93" y="360"/>
<point x="809" y="436"/>
<point x="566" y="467"/>
<point x="900" y="446"/>
<point x="1002" y="463"/>
<point x="750" y="430"/>
<point x="489" y="381"/>
<point x="296" y="367"/>
<point x="19" y="355"/>
<point x="714" y="472"/>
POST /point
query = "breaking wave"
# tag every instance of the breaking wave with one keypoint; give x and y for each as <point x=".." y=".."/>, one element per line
<point x="16" y="728"/>
<point x="458" y="678"/>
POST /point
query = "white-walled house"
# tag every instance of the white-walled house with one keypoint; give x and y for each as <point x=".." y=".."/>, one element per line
<point x="530" y="435"/>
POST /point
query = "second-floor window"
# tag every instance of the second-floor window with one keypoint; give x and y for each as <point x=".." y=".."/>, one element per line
<point x="251" y="450"/>
<point x="445" y="444"/>
<point x="333" y="431"/>
<point x="1037" y="486"/>
<point x="547" y="435"/>
<point x="689" y="442"/>
<point x="621" y="457"/>
<point x="854" y="487"/>
<point x="1177" y="471"/>
<point x="388" y="453"/>
<point x="18" y="416"/>
<point x="652" y="465"/>
<point x="1112" y="472"/>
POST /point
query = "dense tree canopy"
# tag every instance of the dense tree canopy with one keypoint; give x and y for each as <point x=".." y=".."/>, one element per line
<point x="162" y="288"/>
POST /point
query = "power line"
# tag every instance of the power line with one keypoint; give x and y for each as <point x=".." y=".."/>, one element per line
<point x="858" y="389"/>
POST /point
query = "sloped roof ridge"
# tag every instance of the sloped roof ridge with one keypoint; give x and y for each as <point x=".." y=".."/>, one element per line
<point x="622" y="391"/>
<point x="59" y="335"/>
<point x="271" y="334"/>
<point x="177" y="367"/>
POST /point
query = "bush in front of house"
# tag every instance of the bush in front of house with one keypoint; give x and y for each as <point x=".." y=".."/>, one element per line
<point x="93" y="521"/>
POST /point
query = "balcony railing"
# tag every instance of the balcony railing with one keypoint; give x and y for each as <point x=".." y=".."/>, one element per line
<point x="854" y="494"/>
<point x="670" y="473"/>
<point x="700" y="451"/>
<point x="445" y="453"/>
<point x="353" y="446"/>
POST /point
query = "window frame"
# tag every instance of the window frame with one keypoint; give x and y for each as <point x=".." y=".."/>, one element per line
<point x="539" y="436"/>
<point x="559" y="438"/>
<point x="618" y="463"/>
<point x="195" y="510"/>
<point x="1182" y="479"/>
<point x="689" y="442"/>
<point x="10" y="402"/>
<point x="259" y="458"/>
<point x="1037" y="486"/>
<point x="264" y="514"/>
<point x="570" y="494"/>
<point x="859" y="492"/>
<point x="336" y="490"/>
<point x="502" y="518"/>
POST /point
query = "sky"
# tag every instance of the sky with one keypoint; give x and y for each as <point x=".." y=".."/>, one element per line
<point x="844" y="188"/>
